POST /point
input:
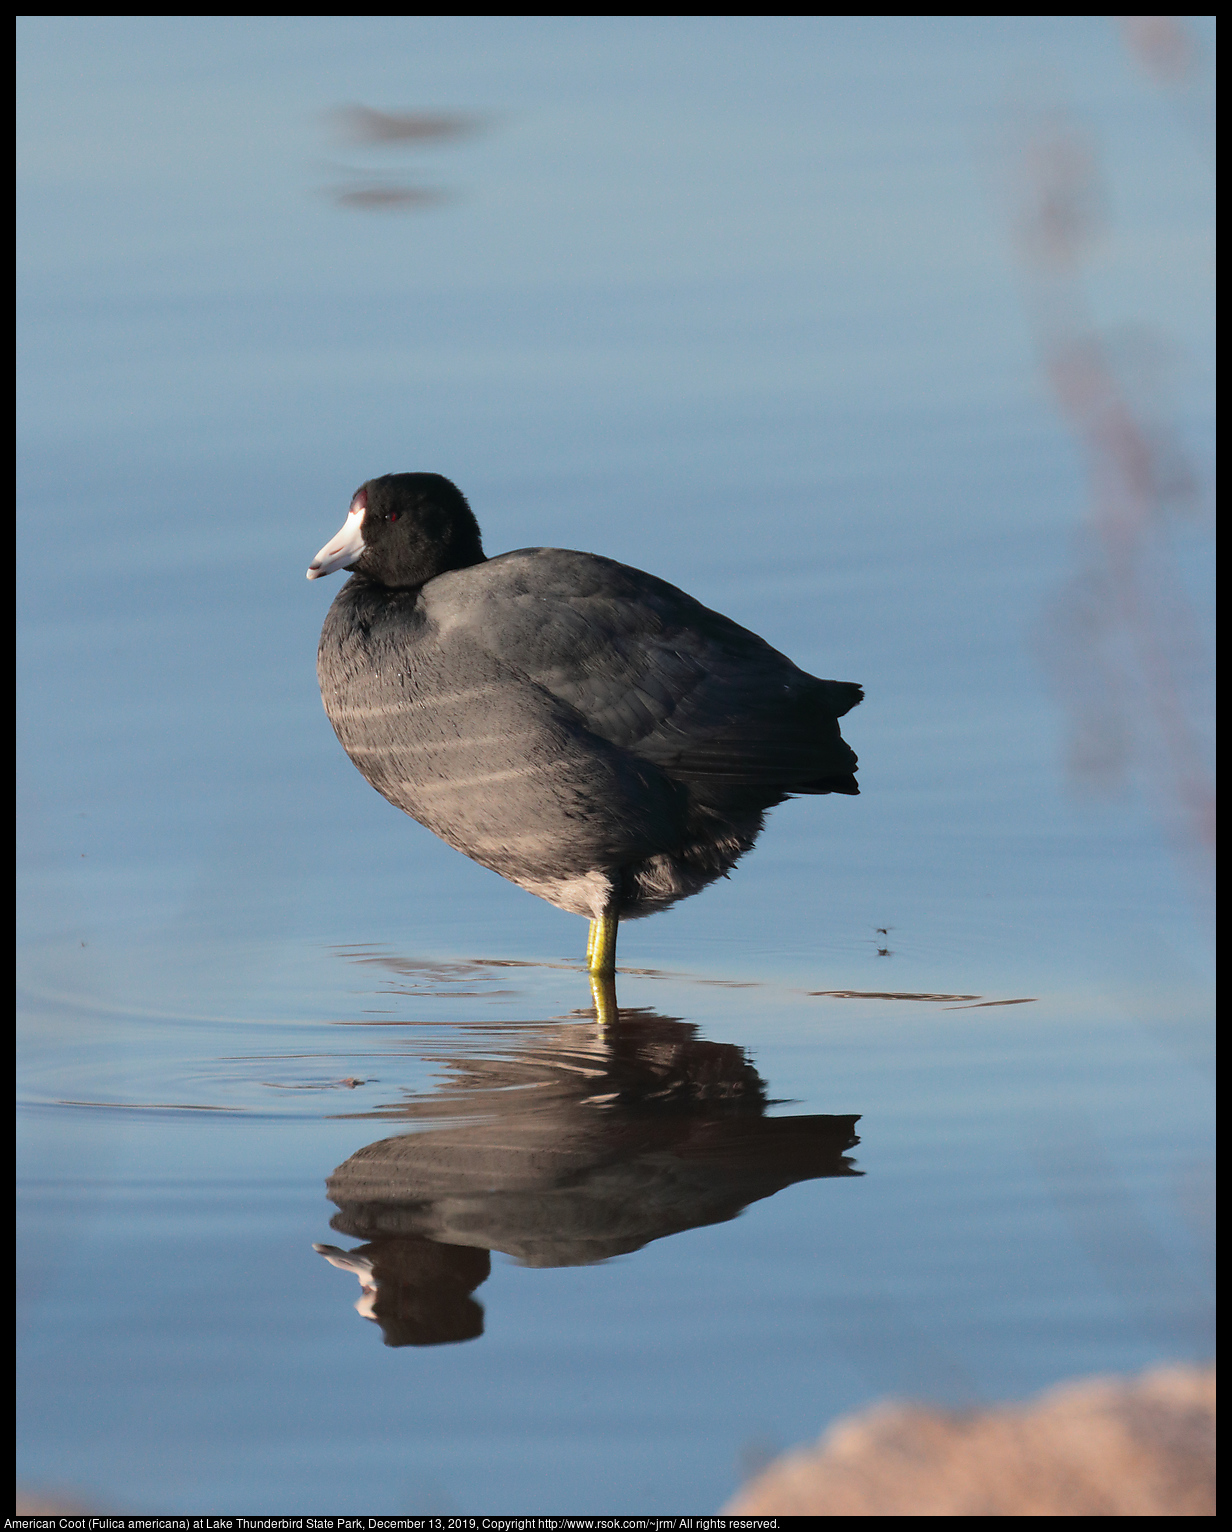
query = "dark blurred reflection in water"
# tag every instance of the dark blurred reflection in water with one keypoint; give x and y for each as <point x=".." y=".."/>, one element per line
<point x="730" y="300"/>
<point x="573" y="1153"/>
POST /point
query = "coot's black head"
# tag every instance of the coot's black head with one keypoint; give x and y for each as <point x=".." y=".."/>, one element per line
<point x="403" y="529"/>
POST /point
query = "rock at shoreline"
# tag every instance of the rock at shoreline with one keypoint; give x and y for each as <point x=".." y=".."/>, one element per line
<point x="1140" y="1446"/>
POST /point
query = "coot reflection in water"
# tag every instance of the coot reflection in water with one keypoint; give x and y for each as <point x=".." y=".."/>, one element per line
<point x="612" y="1137"/>
<point x="588" y="731"/>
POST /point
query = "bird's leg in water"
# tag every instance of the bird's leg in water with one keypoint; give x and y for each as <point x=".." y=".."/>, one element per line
<point x="601" y="961"/>
<point x="603" y="991"/>
<point x="601" y="945"/>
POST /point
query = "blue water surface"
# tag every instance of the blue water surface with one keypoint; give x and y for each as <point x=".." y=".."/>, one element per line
<point x="737" y="301"/>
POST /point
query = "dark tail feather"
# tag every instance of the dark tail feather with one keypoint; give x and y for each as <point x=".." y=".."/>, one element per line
<point x="843" y="784"/>
<point x="842" y="696"/>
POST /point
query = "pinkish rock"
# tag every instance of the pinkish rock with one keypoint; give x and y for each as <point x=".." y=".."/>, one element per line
<point x="1098" y="1447"/>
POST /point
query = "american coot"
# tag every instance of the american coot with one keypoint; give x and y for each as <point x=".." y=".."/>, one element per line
<point x="586" y="730"/>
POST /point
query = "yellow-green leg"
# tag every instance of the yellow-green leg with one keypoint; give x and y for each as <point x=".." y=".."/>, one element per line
<point x="601" y="945"/>
<point x="601" y="962"/>
<point x="603" y="991"/>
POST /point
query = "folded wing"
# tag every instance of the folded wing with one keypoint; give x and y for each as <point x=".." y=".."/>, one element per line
<point x="653" y="672"/>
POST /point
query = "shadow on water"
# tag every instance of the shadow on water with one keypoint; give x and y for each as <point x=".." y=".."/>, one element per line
<point x="611" y="1135"/>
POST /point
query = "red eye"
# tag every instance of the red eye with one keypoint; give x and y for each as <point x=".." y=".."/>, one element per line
<point x="393" y="516"/>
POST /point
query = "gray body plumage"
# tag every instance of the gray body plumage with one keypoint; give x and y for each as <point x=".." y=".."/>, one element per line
<point x="588" y="731"/>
